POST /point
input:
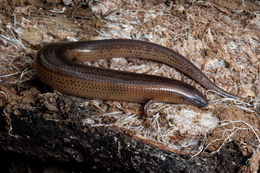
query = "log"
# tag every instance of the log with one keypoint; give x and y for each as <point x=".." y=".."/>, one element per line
<point x="77" y="147"/>
<point x="42" y="130"/>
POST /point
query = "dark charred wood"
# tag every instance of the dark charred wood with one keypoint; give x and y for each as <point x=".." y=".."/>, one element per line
<point x="75" y="147"/>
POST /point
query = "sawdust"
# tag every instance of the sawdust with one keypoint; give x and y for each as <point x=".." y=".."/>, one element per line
<point x="220" y="37"/>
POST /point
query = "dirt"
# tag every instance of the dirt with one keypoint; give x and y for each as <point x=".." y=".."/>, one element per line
<point x="220" y="37"/>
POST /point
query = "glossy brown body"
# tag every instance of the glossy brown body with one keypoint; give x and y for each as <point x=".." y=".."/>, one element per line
<point x="56" y="67"/>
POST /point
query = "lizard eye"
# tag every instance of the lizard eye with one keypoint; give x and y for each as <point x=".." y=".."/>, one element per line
<point x="200" y="103"/>
<point x="197" y="102"/>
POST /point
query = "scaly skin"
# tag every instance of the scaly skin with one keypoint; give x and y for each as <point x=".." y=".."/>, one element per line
<point x="56" y="67"/>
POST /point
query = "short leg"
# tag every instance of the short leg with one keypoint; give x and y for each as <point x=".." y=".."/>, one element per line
<point x="76" y="60"/>
<point x="146" y="106"/>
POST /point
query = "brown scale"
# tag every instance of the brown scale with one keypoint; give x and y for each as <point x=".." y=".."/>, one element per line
<point x="55" y="67"/>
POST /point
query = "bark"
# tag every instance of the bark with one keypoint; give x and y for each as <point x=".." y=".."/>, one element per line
<point x="79" y="147"/>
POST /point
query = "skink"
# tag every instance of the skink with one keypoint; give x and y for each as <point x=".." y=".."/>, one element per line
<point x="60" y="66"/>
